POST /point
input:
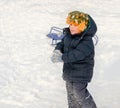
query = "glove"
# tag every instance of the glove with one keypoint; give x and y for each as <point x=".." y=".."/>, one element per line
<point x="56" y="57"/>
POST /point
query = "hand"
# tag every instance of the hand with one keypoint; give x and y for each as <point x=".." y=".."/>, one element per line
<point x="57" y="56"/>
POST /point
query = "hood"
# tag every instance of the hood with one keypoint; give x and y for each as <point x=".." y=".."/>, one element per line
<point x="92" y="28"/>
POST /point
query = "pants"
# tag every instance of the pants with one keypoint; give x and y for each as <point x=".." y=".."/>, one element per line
<point x="79" y="96"/>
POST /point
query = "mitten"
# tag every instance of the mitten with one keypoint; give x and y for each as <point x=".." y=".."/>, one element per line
<point x="57" y="56"/>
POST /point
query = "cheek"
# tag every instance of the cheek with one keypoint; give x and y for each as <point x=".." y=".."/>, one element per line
<point x="78" y="30"/>
<point x="74" y="29"/>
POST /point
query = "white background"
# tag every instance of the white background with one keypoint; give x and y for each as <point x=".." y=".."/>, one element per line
<point x="28" y="78"/>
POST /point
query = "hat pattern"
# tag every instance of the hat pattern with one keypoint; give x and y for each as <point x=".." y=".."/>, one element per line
<point x="77" y="18"/>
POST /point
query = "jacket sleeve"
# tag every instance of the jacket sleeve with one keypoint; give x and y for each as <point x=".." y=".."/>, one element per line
<point x="84" y="49"/>
<point x="60" y="46"/>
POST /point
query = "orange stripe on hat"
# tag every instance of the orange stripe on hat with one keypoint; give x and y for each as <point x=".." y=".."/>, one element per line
<point x="78" y="19"/>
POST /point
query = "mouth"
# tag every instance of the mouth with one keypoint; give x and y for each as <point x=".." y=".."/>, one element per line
<point x="72" y="32"/>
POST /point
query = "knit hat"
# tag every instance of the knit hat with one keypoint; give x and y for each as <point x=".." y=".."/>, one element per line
<point x="78" y="18"/>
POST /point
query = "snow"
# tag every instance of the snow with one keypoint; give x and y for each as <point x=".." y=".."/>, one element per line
<point x="28" y="78"/>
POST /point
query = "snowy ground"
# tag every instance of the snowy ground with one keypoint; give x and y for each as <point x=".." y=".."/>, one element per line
<point x="28" y="78"/>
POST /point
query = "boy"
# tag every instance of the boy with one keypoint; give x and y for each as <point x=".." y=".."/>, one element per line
<point x="76" y="50"/>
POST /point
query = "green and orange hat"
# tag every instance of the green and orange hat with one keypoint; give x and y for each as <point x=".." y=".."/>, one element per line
<point x="78" y="18"/>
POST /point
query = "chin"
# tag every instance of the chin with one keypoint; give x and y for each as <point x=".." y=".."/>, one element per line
<point x="73" y="33"/>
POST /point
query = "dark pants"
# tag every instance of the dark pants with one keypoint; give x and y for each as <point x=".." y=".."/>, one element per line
<point x="78" y="96"/>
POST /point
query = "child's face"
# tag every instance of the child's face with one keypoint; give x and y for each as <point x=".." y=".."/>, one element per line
<point x="74" y="29"/>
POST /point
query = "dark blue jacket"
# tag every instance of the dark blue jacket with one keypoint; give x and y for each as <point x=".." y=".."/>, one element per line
<point x="78" y="54"/>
